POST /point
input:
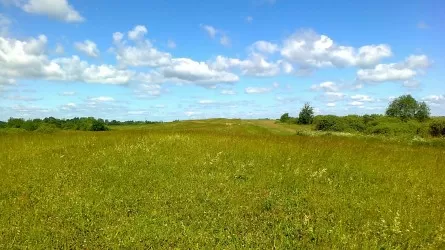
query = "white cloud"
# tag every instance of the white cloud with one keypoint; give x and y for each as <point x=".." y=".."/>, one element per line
<point x="137" y="33"/>
<point x="411" y="83"/>
<point x="362" y="98"/>
<point x="331" y="104"/>
<point x="417" y="62"/>
<point x="117" y="37"/>
<point x="211" y="31"/>
<point x="57" y="9"/>
<point x="68" y="106"/>
<point x="403" y="71"/>
<point x="385" y="72"/>
<point x="206" y="102"/>
<point x="148" y="90"/>
<point x="171" y="44"/>
<point x="309" y="49"/>
<point x="434" y="99"/>
<point x="88" y="47"/>
<point x="326" y="86"/>
<point x="356" y="103"/>
<point x="25" y="59"/>
<point x="192" y="113"/>
<point x="225" y="40"/>
<point x="249" y="19"/>
<point x="188" y="70"/>
<point x="228" y="92"/>
<point x="286" y="67"/>
<point x="264" y="47"/>
<point x="255" y="65"/>
<point x="101" y="99"/>
<point x="141" y="54"/>
<point x="257" y="90"/>
<point x="74" y="69"/>
<point x="333" y="96"/>
<point x="59" y="49"/>
<point x="6" y="81"/>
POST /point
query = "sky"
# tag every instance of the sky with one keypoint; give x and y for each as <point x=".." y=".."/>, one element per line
<point x="192" y="59"/>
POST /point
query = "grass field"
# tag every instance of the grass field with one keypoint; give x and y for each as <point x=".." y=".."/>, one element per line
<point x="218" y="184"/>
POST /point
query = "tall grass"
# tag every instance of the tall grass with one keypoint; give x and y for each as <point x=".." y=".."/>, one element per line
<point x="217" y="184"/>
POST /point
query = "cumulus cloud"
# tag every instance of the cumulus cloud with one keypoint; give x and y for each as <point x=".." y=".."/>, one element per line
<point x="264" y="47"/>
<point x="137" y="33"/>
<point x="143" y="53"/>
<point x="254" y="65"/>
<point x="311" y="50"/>
<point x="74" y="69"/>
<point x="57" y="9"/>
<point x="434" y="99"/>
<point x="27" y="59"/>
<point x="326" y="86"/>
<point x="87" y="47"/>
<point x="403" y="71"/>
<point x="188" y="70"/>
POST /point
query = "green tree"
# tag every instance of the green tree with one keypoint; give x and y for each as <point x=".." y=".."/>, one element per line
<point x="406" y="107"/>
<point x="306" y="115"/>
<point x="284" y="117"/>
<point x="423" y="112"/>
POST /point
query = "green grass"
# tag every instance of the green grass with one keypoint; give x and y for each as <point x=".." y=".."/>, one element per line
<point x="218" y="184"/>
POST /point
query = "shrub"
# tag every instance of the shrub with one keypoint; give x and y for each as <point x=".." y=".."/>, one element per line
<point x="284" y="117"/>
<point x="437" y="128"/>
<point x="329" y="123"/>
<point x="98" y="125"/>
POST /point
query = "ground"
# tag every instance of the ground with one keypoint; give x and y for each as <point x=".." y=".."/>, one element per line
<point x="218" y="184"/>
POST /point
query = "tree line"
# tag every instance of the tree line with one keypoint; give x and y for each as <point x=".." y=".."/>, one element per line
<point x="77" y="123"/>
<point x="403" y="116"/>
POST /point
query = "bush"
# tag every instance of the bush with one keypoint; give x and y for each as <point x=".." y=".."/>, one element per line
<point x="437" y="128"/>
<point x="329" y="123"/>
<point x="99" y="125"/>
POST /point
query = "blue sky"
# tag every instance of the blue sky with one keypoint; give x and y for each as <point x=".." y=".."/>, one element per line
<point x="167" y="60"/>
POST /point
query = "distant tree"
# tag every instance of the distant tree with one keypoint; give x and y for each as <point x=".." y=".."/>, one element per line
<point x="285" y="117"/>
<point x="423" y="112"/>
<point x="306" y="115"/>
<point x="406" y="107"/>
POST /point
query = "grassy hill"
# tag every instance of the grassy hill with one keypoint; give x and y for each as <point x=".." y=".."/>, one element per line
<point x="218" y="184"/>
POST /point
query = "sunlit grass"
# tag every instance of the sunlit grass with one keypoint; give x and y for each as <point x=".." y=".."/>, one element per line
<point x="218" y="184"/>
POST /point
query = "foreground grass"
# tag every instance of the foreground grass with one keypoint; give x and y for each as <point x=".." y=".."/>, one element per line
<point x="218" y="184"/>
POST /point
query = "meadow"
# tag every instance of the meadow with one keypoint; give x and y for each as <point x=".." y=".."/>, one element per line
<point x="219" y="184"/>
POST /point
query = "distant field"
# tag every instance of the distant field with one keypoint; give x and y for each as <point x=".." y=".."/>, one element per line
<point x="218" y="184"/>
